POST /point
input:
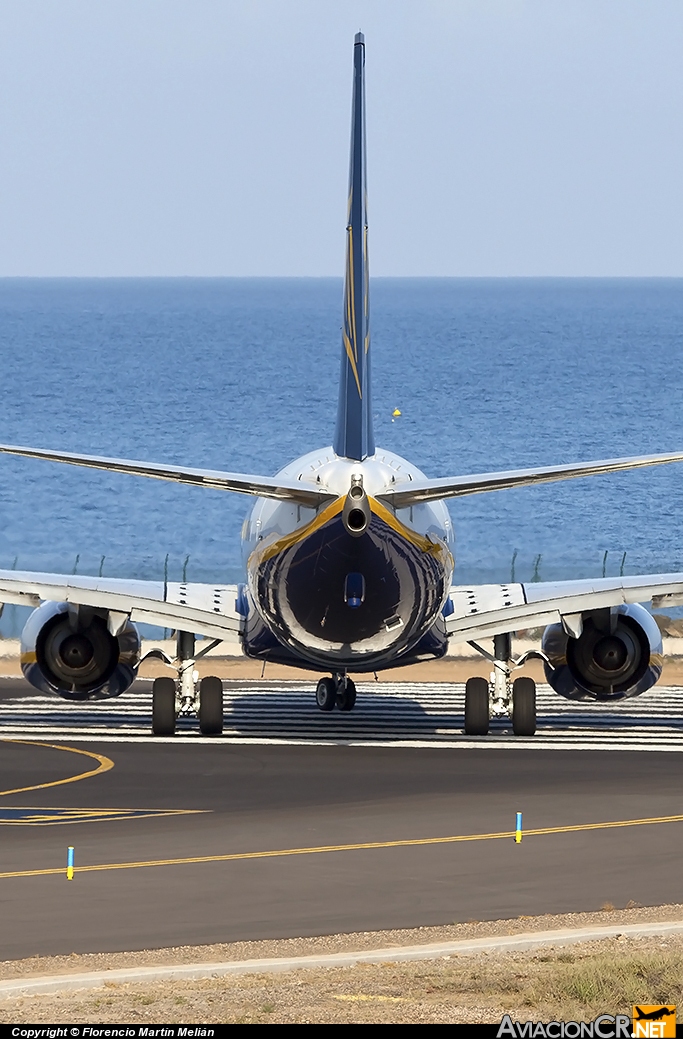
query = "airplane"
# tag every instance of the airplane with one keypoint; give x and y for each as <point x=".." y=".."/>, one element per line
<point x="654" y="1015"/>
<point x="349" y="565"/>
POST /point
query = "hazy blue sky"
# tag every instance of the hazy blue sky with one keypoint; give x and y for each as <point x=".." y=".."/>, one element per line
<point x="210" y="137"/>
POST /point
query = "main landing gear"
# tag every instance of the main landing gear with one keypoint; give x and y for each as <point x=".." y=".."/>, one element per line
<point x="501" y="697"/>
<point x="185" y="695"/>
<point x="338" y="691"/>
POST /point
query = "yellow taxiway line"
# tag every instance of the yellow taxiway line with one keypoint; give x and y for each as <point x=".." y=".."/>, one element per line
<point x="368" y="846"/>
<point x="104" y="765"/>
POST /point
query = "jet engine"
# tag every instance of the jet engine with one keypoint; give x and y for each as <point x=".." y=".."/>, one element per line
<point x="78" y="652"/>
<point x="611" y="654"/>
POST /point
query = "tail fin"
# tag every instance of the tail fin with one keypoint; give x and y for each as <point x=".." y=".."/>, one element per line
<point x="353" y="436"/>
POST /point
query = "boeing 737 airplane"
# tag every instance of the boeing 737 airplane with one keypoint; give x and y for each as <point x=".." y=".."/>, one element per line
<point x="349" y="564"/>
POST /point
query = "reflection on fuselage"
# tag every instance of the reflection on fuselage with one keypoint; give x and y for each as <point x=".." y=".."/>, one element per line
<point x="333" y="600"/>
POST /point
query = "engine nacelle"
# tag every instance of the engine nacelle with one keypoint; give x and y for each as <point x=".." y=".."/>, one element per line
<point x="617" y="655"/>
<point x="78" y="652"/>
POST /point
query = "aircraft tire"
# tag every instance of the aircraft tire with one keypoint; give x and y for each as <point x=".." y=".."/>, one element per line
<point x="476" y="707"/>
<point x="211" y="706"/>
<point x="326" y="694"/>
<point x="346" y="696"/>
<point x="524" y="707"/>
<point x="163" y="707"/>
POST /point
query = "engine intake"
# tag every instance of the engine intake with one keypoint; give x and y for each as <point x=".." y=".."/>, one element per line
<point x="71" y="651"/>
<point x="617" y="655"/>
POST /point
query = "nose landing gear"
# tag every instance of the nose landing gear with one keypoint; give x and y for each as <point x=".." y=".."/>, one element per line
<point x="338" y="691"/>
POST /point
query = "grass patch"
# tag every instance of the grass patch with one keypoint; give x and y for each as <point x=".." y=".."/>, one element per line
<point x="613" y="984"/>
<point x="565" y="986"/>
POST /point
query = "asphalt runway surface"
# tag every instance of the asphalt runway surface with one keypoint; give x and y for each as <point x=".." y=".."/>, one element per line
<point x="244" y="799"/>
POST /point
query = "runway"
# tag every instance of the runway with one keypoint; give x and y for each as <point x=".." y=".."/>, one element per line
<point x="198" y="841"/>
<point x="387" y="713"/>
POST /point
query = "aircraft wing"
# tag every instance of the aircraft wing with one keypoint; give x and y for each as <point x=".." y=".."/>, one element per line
<point x="482" y="611"/>
<point x="282" y="488"/>
<point x="204" y="609"/>
<point x="406" y="494"/>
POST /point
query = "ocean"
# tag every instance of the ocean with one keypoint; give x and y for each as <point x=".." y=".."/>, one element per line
<point x="241" y="374"/>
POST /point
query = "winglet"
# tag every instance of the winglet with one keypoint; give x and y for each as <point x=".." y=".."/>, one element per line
<point x="353" y="436"/>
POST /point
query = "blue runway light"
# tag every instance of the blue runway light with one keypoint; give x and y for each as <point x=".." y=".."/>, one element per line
<point x="518" y="828"/>
<point x="69" y="864"/>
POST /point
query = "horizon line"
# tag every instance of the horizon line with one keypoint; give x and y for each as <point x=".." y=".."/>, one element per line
<point x="340" y="277"/>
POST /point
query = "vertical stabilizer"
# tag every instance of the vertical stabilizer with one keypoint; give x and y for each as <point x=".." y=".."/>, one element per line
<point x="353" y="436"/>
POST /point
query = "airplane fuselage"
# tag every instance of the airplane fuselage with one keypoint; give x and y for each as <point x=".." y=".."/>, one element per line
<point x="324" y="597"/>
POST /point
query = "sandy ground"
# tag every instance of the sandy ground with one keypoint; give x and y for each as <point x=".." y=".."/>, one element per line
<point x="576" y="982"/>
<point x="461" y="663"/>
<point x="451" y="669"/>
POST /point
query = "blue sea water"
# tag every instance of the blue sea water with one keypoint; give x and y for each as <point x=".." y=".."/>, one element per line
<point x="241" y="374"/>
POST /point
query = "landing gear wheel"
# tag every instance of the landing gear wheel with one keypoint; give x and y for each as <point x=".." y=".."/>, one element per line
<point x="476" y="707"/>
<point x="163" y="707"/>
<point x="211" y="706"/>
<point x="346" y="696"/>
<point x="524" y="707"/>
<point x="326" y="694"/>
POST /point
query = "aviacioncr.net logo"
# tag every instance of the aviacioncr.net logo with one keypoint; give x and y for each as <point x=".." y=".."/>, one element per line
<point x="606" y="1026"/>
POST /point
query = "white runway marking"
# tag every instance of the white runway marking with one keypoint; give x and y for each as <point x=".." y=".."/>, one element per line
<point x="387" y="714"/>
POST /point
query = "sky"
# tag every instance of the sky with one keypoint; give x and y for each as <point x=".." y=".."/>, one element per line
<point x="210" y="137"/>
